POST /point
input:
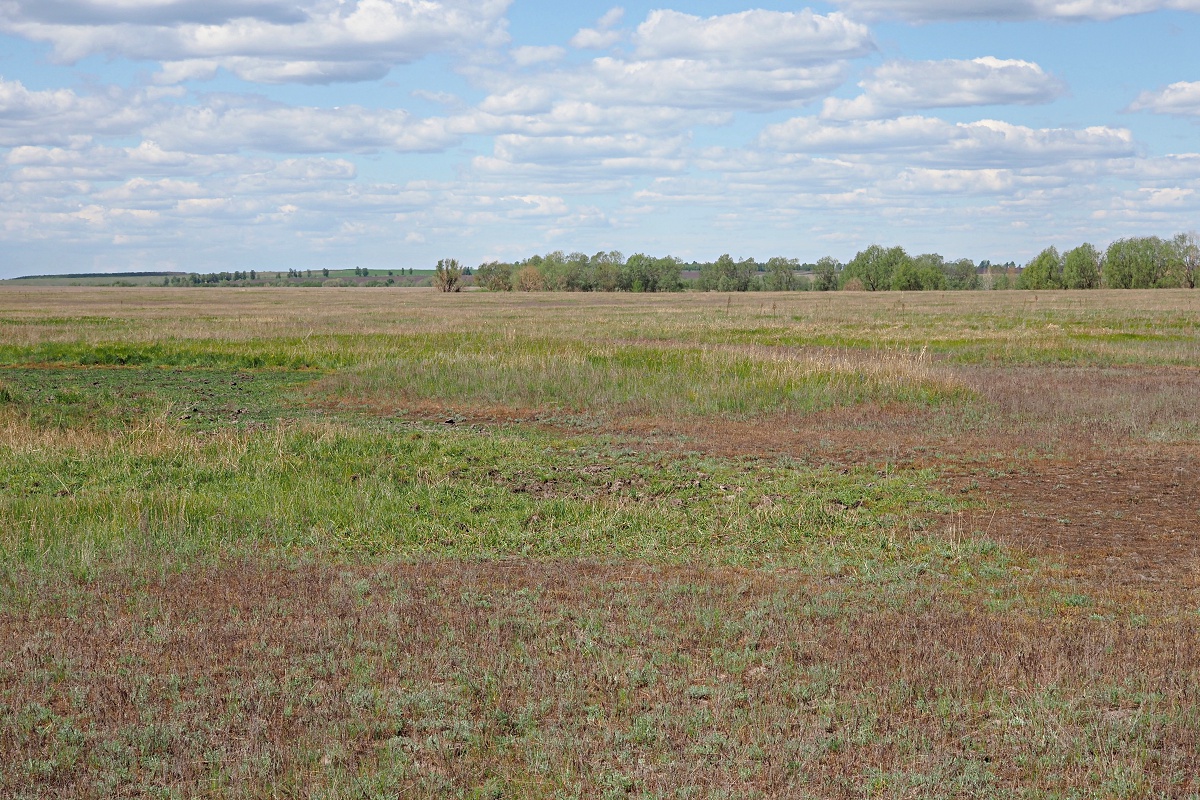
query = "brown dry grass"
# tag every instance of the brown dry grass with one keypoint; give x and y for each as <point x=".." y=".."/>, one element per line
<point x="578" y="679"/>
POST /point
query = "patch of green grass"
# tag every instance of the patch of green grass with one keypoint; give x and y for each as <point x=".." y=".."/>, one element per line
<point x="532" y="372"/>
<point x="110" y="398"/>
<point x="384" y="488"/>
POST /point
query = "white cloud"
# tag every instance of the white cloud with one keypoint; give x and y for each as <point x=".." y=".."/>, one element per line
<point x="934" y="142"/>
<point x="581" y="118"/>
<point x="271" y="41"/>
<point x="676" y="83"/>
<point x="56" y="116"/>
<point x="602" y="36"/>
<point x="1182" y="99"/>
<point x="592" y="39"/>
<point x="221" y="128"/>
<point x="524" y="56"/>
<point x="755" y="37"/>
<point x="899" y="86"/>
<point x="937" y="10"/>
<point x="577" y="149"/>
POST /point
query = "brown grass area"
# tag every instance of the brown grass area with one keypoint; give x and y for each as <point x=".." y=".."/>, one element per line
<point x="576" y="679"/>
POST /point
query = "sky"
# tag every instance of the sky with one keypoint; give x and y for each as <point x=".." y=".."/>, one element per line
<point x="209" y="135"/>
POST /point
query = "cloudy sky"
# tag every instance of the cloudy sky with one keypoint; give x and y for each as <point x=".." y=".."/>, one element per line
<point x="230" y="134"/>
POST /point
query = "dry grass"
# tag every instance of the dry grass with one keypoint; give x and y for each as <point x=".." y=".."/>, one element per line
<point x="284" y="619"/>
<point x="585" y="680"/>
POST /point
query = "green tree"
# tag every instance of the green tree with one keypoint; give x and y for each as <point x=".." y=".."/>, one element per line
<point x="923" y="273"/>
<point x="1043" y="272"/>
<point x="606" y="270"/>
<point x="447" y="275"/>
<point x="1081" y="268"/>
<point x="727" y="275"/>
<point x="874" y="266"/>
<point x="1187" y="259"/>
<point x="825" y="274"/>
<point x="781" y="274"/>
<point x="1139" y="262"/>
<point x="961" y="274"/>
<point x="495" y="276"/>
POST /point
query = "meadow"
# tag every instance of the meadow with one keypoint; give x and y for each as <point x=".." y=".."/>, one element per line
<point x="394" y="543"/>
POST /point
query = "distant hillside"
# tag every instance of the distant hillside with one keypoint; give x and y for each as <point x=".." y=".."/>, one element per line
<point x="100" y="275"/>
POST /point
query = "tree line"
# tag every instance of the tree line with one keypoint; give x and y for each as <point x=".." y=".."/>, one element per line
<point x="1142" y="262"/>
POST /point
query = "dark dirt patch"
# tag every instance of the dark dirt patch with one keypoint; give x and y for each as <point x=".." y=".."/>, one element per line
<point x="1125" y="520"/>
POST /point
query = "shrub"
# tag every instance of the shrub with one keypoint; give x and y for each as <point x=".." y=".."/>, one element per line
<point x="528" y="279"/>
<point x="447" y="276"/>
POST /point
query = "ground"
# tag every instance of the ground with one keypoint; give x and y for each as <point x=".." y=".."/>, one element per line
<point x="935" y="545"/>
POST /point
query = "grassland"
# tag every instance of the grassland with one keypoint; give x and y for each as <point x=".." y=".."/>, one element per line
<point x="381" y="543"/>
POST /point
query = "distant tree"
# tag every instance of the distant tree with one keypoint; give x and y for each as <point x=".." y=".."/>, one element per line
<point x="529" y="279"/>
<point x="606" y="270"/>
<point x="1187" y="259"/>
<point x="554" y="267"/>
<point x="781" y="274"/>
<point x="874" y="266"/>
<point x="325" y="271"/>
<point x="253" y="275"/>
<point x="923" y="273"/>
<point x="447" y="275"/>
<point x="825" y="276"/>
<point x="576" y="274"/>
<point x="1081" y="268"/>
<point x="744" y="274"/>
<point x="1043" y="272"/>
<point x="1140" y="262"/>
<point x="961" y="274"/>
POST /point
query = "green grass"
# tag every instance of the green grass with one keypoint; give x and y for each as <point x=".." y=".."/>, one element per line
<point x="241" y="555"/>
<point x="149" y="481"/>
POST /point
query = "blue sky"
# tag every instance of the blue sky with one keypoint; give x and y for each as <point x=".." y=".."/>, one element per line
<point x="234" y="134"/>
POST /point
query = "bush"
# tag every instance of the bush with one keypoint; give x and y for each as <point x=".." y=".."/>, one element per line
<point x="447" y="275"/>
<point x="528" y="279"/>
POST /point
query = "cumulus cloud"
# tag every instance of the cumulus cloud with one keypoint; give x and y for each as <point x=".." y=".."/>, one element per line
<point x="582" y="118"/>
<point x="757" y="36"/>
<point x="683" y="71"/>
<point x="56" y="116"/>
<point x="602" y="36"/>
<point x="1180" y="99"/>
<point x="899" y="86"/>
<point x="271" y="41"/>
<point x="220" y="128"/>
<point x="671" y="82"/>
<point x="1010" y="10"/>
<point x="524" y="56"/>
<point x="589" y="163"/>
<point x="929" y="141"/>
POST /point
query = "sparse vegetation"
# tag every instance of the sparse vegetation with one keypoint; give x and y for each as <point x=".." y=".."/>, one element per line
<point x="805" y="544"/>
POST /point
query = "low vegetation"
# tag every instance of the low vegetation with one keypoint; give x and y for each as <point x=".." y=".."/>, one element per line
<point x="545" y="545"/>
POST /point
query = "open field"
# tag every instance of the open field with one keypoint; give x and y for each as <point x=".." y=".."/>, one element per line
<point x="381" y="543"/>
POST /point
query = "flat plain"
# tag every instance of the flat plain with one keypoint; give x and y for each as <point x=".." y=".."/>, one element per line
<point x="393" y="543"/>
